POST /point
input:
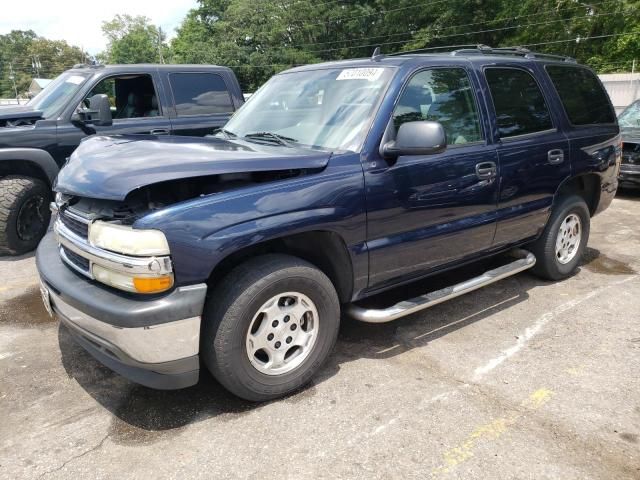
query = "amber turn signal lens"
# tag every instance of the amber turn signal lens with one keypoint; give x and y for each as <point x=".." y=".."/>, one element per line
<point x="153" y="284"/>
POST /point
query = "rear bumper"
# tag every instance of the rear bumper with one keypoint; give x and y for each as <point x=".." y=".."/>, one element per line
<point x="154" y="342"/>
<point x="629" y="175"/>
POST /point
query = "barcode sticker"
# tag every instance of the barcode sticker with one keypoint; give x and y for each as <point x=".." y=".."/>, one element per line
<point x="371" y="74"/>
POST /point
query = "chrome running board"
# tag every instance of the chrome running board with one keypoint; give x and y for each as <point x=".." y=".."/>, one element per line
<point x="525" y="260"/>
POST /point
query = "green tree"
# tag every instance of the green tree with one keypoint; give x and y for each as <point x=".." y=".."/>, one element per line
<point x="133" y="40"/>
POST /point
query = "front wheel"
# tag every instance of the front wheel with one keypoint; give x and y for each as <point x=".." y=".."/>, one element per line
<point x="269" y="326"/>
<point x="560" y="247"/>
<point x="24" y="213"/>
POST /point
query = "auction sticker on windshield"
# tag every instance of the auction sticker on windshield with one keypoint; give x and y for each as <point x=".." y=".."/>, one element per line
<point x="371" y="74"/>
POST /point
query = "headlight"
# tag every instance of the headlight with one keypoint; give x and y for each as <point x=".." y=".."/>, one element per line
<point x="126" y="240"/>
<point x="132" y="283"/>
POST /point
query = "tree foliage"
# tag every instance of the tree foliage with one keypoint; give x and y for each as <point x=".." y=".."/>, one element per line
<point x="25" y="56"/>
<point x="133" y="40"/>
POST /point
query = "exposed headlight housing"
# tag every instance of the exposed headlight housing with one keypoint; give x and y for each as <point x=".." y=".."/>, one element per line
<point x="127" y="240"/>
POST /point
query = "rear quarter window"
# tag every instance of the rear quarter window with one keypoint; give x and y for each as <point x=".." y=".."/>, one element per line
<point x="582" y="95"/>
<point x="200" y="94"/>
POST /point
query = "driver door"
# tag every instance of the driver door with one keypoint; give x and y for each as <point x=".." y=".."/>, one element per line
<point x="426" y="211"/>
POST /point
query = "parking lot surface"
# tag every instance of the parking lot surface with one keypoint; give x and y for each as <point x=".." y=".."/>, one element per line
<point x="522" y="379"/>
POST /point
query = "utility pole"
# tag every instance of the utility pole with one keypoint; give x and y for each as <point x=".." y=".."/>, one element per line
<point x="36" y="65"/>
<point x="160" y="44"/>
<point x="12" y="77"/>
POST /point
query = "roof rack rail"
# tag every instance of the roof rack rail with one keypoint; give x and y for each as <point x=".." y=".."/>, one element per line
<point x="516" y="51"/>
<point x="88" y="65"/>
<point x="430" y="49"/>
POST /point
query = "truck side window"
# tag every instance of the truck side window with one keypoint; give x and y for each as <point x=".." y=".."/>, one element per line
<point x="200" y="94"/>
<point x="582" y="95"/>
<point x="519" y="103"/>
<point x="441" y="95"/>
<point x="130" y="96"/>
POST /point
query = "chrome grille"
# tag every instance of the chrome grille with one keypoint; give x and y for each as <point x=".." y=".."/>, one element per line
<point x="78" y="262"/>
<point x="75" y="223"/>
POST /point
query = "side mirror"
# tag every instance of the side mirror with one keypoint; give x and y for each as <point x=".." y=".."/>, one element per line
<point x="99" y="112"/>
<point x="417" y="138"/>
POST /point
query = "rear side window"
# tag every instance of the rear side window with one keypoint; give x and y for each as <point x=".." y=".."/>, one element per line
<point x="519" y="103"/>
<point x="200" y="94"/>
<point x="584" y="99"/>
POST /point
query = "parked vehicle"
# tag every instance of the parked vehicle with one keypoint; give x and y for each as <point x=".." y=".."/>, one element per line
<point x="37" y="138"/>
<point x="334" y="183"/>
<point x="629" y="121"/>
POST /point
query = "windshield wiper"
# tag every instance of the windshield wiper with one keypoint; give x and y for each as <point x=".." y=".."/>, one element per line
<point x="279" y="139"/>
<point x="226" y="133"/>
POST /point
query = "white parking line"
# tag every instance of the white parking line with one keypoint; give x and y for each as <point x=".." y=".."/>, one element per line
<point x="539" y="324"/>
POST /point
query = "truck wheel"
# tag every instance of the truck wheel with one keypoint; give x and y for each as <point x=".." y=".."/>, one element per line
<point x="24" y="213"/>
<point x="269" y="326"/>
<point x="559" y="250"/>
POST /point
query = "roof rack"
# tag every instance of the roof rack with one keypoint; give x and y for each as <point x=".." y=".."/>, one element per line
<point x="515" y="51"/>
<point x="430" y="49"/>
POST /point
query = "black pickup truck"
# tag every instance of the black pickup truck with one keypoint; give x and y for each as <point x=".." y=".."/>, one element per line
<point x="37" y="138"/>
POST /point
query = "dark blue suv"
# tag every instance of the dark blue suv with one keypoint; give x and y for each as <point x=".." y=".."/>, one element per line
<point x="333" y="183"/>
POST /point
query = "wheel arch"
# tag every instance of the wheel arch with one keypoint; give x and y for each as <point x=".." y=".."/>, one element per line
<point x="324" y="249"/>
<point x="30" y="162"/>
<point x="586" y="185"/>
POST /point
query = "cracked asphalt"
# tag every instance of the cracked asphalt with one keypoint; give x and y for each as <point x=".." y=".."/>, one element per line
<point x="523" y="379"/>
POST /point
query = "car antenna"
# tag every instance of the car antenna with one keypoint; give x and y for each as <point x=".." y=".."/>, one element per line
<point x="377" y="56"/>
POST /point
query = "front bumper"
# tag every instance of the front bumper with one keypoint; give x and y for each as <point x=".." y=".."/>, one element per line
<point x="152" y="341"/>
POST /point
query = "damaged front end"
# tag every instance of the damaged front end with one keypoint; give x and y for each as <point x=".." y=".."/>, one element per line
<point x="95" y="223"/>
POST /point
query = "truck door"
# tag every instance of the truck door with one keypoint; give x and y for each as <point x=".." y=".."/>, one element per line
<point x="427" y="211"/>
<point x="135" y="109"/>
<point x="202" y="102"/>
<point x="533" y="152"/>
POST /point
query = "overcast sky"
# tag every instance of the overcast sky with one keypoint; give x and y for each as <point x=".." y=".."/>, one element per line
<point x="79" y="22"/>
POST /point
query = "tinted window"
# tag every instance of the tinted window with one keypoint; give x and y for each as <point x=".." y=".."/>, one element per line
<point x="200" y="94"/>
<point x="584" y="99"/>
<point x="519" y="103"/>
<point x="441" y="95"/>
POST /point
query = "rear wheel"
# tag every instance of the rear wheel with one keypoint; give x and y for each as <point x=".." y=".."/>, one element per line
<point x="559" y="250"/>
<point x="24" y="213"/>
<point x="269" y="326"/>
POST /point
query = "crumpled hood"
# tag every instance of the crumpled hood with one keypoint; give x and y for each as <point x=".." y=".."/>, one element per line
<point x="111" y="167"/>
<point x="630" y="134"/>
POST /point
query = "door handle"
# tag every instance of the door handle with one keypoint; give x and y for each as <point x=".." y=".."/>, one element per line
<point x="486" y="170"/>
<point x="159" y="131"/>
<point x="555" y="157"/>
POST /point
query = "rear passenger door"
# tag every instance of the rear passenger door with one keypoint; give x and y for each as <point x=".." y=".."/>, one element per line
<point x="532" y="149"/>
<point x="202" y="102"/>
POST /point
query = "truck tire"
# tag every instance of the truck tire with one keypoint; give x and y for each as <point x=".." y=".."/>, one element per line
<point x="559" y="250"/>
<point x="269" y="326"/>
<point x="24" y="213"/>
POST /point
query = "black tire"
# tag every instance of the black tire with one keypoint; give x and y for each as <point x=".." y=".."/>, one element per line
<point x="548" y="266"/>
<point x="232" y="306"/>
<point x="24" y="213"/>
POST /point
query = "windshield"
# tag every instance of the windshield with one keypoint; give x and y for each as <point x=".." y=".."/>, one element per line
<point x="631" y="116"/>
<point x="57" y="94"/>
<point x="326" y="109"/>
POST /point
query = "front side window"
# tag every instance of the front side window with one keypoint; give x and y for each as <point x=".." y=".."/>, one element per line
<point x="584" y="99"/>
<point x="441" y="95"/>
<point x="200" y="94"/>
<point x="326" y="108"/>
<point x="130" y="96"/>
<point x="519" y="104"/>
